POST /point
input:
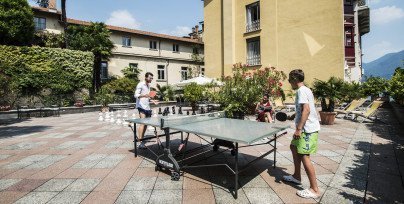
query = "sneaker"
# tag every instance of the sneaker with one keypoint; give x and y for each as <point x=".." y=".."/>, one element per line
<point x="142" y="146"/>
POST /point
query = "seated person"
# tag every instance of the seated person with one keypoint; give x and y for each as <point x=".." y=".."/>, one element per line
<point x="264" y="110"/>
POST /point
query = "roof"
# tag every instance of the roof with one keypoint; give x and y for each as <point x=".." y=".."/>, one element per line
<point x="122" y="29"/>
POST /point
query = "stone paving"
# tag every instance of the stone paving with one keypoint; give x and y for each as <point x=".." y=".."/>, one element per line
<point x="77" y="159"/>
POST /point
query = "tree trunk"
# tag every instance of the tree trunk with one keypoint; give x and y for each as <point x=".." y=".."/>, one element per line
<point x="64" y="22"/>
<point x="96" y="73"/>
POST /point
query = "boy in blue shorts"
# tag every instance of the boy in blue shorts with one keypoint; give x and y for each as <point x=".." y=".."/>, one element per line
<point x="304" y="140"/>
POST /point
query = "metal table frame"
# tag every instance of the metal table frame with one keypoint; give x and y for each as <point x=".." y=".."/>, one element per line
<point x="178" y="158"/>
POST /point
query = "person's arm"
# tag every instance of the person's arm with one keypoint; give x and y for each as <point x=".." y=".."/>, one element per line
<point x="303" y="119"/>
<point x="138" y="91"/>
<point x="303" y="101"/>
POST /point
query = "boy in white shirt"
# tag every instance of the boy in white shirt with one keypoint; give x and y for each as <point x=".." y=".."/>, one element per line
<point x="304" y="140"/>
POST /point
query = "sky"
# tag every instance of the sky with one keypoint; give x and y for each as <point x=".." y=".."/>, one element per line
<point x="177" y="17"/>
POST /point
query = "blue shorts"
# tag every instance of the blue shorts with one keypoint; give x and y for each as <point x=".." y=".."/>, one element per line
<point x="147" y="113"/>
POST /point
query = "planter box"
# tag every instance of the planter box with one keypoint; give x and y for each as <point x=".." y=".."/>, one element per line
<point x="327" y="118"/>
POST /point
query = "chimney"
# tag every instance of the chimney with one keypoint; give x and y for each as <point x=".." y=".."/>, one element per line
<point x="196" y="29"/>
<point x="52" y="4"/>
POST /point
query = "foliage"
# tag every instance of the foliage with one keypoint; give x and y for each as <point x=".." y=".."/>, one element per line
<point x="330" y="90"/>
<point x="94" y="38"/>
<point x="396" y="86"/>
<point x="48" y="39"/>
<point x="16" y="22"/>
<point x="120" y="90"/>
<point x="194" y="93"/>
<point x="245" y="88"/>
<point x="131" y="73"/>
<point x="28" y="71"/>
<point x="374" y="86"/>
<point x="105" y="96"/>
<point x="351" y="91"/>
<point x="165" y="93"/>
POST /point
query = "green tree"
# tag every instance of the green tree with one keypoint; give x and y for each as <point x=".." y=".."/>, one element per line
<point x="94" y="38"/>
<point x="396" y="86"/>
<point x="194" y="93"/>
<point x="374" y="86"/>
<point x="16" y="22"/>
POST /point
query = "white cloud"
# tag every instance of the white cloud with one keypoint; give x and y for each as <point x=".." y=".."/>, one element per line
<point x="123" y="18"/>
<point x="386" y="14"/>
<point x="378" y="50"/>
<point x="178" y="31"/>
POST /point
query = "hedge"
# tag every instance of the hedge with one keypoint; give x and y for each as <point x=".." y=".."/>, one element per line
<point x="31" y="70"/>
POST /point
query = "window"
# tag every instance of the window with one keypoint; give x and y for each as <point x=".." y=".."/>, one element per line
<point x="349" y="37"/>
<point x="104" y="70"/>
<point x="40" y="23"/>
<point x="253" y="17"/>
<point x="203" y="71"/>
<point x="126" y="41"/>
<point x="195" y="50"/>
<point x="348" y="2"/>
<point x="133" y="65"/>
<point x="184" y="73"/>
<point x="176" y="48"/>
<point x="253" y="52"/>
<point x="153" y="45"/>
<point x="161" y="72"/>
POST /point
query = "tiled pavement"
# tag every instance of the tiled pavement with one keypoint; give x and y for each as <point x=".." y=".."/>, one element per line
<point x="77" y="159"/>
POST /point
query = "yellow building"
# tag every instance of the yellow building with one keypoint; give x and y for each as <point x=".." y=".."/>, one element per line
<point x="308" y="34"/>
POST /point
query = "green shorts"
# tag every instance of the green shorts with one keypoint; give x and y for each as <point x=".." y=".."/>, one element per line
<point x="307" y="143"/>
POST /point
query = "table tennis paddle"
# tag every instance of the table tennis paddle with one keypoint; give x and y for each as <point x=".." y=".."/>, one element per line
<point x="152" y="94"/>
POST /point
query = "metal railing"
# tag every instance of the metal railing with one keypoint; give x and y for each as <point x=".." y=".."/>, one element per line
<point x="253" y="26"/>
<point x="254" y="60"/>
<point x="362" y="3"/>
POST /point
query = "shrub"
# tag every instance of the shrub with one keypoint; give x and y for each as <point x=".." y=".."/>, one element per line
<point x="330" y="90"/>
<point x="244" y="89"/>
<point x="374" y="86"/>
<point x="31" y="70"/>
<point x="194" y="93"/>
<point x="396" y="86"/>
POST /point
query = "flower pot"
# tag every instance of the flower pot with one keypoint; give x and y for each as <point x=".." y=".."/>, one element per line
<point x="327" y="118"/>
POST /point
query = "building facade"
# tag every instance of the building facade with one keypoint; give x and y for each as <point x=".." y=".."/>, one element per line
<point x="167" y="57"/>
<point x="288" y="34"/>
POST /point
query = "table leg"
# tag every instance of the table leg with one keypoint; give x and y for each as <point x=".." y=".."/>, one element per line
<point x="276" y="138"/>
<point x="135" y="138"/>
<point x="236" y="170"/>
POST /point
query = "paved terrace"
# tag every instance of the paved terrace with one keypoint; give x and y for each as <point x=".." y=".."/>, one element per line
<point x="77" y="159"/>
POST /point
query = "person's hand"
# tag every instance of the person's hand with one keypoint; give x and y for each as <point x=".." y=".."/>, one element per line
<point x="155" y="102"/>
<point x="297" y="134"/>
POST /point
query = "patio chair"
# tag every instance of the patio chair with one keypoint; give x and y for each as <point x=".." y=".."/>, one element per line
<point x="369" y="113"/>
<point x="350" y="107"/>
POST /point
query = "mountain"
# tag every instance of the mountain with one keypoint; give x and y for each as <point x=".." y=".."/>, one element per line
<point x="384" y="66"/>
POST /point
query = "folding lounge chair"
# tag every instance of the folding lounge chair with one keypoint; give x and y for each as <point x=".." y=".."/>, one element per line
<point x="350" y="107"/>
<point x="369" y="113"/>
<point x="278" y="104"/>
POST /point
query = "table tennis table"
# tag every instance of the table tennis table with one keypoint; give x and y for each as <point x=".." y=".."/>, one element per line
<point x="226" y="132"/>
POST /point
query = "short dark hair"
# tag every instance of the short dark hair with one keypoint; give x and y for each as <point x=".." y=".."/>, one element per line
<point x="296" y="75"/>
<point x="148" y="74"/>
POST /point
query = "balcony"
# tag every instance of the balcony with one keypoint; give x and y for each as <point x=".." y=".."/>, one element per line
<point x="253" y="26"/>
<point x="363" y="17"/>
<point x="254" y="60"/>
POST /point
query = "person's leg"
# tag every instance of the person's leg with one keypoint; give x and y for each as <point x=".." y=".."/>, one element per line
<point x="311" y="173"/>
<point x="268" y="115"/>
<point x="142" y="128"/>
<point x="297" y="161"/>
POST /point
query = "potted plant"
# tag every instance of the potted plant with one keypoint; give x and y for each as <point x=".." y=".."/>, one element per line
<point x="245" y="88"/>
<point x="194" y="93"/>
<point x="104" y="97"/>
<point x="328" y="92"/>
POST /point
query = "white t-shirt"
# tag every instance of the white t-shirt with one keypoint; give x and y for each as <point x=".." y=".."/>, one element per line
<point x="142" y="89"/>
<point x="303" y="96"/>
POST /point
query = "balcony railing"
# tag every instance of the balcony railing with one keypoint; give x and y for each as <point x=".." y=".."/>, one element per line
<point x="253" y="26"/>
<point x="362" y="3"/>
<point x="254" y="60"/>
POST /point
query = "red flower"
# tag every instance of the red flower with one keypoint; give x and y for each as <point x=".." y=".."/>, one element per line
<point x="280" y="83"/>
